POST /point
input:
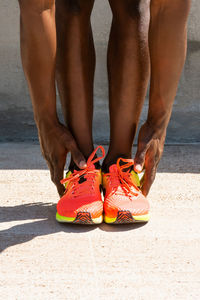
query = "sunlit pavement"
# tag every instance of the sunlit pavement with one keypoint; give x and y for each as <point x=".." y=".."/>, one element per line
<point x="41" y="259"/>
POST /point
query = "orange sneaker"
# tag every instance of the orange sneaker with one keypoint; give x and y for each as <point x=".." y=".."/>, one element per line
<point x="124" y="201"/>
<point x="82" y="202"/>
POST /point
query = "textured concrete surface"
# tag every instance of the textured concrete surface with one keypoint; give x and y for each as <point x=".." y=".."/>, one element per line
<point x="41" y="259"/>
<point x="16" y="120"/>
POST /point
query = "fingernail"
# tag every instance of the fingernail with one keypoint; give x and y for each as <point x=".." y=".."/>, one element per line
<point x="82" y="164"/>
<point x="138" y="168"/>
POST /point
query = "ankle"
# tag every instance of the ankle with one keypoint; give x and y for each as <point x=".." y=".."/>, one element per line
<point x="112" y="159"/>
<point x="73" y="166"/>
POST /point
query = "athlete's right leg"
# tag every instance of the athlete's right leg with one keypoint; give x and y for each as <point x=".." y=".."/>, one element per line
<point x="75" y="68"/>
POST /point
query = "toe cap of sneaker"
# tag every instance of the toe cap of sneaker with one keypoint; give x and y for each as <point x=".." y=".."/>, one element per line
<point x="71" y="207"/>
<point x="136" y="206"/>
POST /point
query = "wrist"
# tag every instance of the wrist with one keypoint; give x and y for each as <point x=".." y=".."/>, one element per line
<point x="46" y="119"/>
<point x="158" y="121"/>
<point x="156" y="128"/>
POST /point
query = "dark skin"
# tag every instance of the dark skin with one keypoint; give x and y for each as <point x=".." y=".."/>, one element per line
<point x="75" y="71"/>
<point x="128" y="70"/>
<point x="128" y="67"/>
<point x="38" y="32"/>
<point x="75" y="68"/>
<point x="167" y="46"/>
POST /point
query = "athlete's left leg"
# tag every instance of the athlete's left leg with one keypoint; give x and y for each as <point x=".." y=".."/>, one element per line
<point x="128" y="70"/>
<point x="75" y="68"/>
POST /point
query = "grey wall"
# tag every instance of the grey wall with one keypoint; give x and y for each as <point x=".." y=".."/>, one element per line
<point x="16" y="120"/>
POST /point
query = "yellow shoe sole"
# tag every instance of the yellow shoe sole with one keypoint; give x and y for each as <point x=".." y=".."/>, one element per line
<point x="83" y="218"/>
<point x="125" y="217"/>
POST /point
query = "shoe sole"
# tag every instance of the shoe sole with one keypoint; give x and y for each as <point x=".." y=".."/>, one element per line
<point x="125" y="217"/>
<point x="83" y="218"/>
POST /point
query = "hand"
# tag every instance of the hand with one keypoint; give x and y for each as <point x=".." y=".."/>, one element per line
<point x="56" y="141"/>
<point x="149" y="152"/>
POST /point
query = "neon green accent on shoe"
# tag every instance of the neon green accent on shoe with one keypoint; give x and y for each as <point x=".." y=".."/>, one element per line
<point x="68" y="174"/>
<point x="135" y="178"/>
<point x="142" y="218"/>
<point x="63" y="219"/>
<point x="109" y="220"/>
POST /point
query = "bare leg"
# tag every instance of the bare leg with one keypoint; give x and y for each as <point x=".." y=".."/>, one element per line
<point x="75" y="68"/>
<point x="128" y="69"/>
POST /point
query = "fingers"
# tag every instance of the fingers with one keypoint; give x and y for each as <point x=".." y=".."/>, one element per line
<point x="58" y="176"/>
<point x="144" y="141"/>
<point x="56" y="170"/>
<point x="151" y="163"/>
<point x="149" y="177"/>
<point x="149" y="152"/>
<point x="60" y="189"/>
<point x="140" y="157"/>
<point x="50" y="168"/>
<point x="71" y="146"/>
<point x="77" y="156"/>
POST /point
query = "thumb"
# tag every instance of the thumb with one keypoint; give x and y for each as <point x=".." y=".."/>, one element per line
<point x="140" y="158"/>
<point x="58" y="175"/>
<point x="149" y="177"/>
<point x="77" y="156"/>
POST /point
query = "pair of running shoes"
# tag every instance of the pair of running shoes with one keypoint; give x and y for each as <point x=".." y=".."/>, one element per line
<point x="82" y="202"/>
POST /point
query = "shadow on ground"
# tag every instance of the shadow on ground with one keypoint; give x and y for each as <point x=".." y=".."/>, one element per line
<point x="44" y="224"/>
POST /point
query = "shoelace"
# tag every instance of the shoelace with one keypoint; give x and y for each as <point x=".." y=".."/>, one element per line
<point x="124" y="177"/>
<point x="76" y="175"/>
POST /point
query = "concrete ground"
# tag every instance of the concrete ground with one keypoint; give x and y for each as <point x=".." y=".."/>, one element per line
<point x="41" y="259"/>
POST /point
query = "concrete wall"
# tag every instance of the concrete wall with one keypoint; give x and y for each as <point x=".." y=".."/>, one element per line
<point x="16" y="120"/>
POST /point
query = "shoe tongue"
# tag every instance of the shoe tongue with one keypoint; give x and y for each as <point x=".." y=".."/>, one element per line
<point x="134" y="176"/>
<point x="83" y="177"/>
<point x="75" y="168"/>
<point x="92" y="167"/>
<point x="113" y="168"/>
<point x="135" y="179"/>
